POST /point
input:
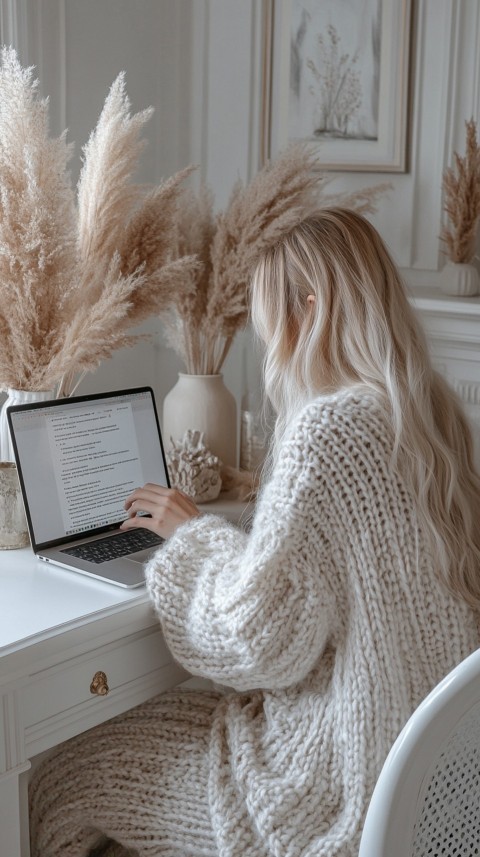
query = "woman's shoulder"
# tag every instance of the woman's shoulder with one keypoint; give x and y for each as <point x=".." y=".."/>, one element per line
<point x="337" y="445"/>
<point x="340" y="431"/>
<point x="347" y="413"/>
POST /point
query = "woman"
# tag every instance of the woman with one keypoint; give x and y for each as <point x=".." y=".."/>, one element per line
<point x="355" y="592"/>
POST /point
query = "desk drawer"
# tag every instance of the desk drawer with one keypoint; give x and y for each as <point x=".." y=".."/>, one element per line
<point x="71" y="696"/>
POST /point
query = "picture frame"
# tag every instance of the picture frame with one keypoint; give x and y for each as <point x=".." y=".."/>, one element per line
<point x="336" y="76"/>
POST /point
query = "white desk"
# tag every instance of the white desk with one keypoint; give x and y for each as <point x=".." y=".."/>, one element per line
<point x="57" y="629"/>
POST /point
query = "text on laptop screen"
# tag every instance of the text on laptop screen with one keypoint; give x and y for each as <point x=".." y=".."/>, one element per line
<point x="80" y="460"/>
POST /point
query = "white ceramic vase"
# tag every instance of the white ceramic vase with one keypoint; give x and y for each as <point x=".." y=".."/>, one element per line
<point x="16" y="397"/>
<point x="202" y="403"/>
<point x="459" y="279"/>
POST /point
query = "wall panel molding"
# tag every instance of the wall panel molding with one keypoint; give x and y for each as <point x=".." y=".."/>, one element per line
<point x="452" y="326"/>
<point x="435" y="67"/>
<point x="469" y="391"/>
<point x="449" y="50"/>
<point x="476" y="74"/>
<point x="14" y="26"/>
<point x="48" y="52"/>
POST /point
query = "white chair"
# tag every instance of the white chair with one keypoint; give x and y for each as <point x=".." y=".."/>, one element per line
<point x="426" y="802"/>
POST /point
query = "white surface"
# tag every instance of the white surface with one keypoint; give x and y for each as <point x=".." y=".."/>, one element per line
<point x="225" y="505"/>
<point x="38" y="599"/>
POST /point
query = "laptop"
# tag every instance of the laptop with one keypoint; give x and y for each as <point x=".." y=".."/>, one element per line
<point x="78" y="459"/>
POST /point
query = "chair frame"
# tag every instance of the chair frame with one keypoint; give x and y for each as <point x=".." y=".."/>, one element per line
<point x="397" y="798"/>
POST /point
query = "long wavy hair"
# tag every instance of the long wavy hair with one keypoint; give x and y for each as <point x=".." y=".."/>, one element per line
<point x="359" y="329"/>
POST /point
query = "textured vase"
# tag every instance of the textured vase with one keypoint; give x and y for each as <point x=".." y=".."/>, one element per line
<point x="16" y="397"/>
<point x="202" y="403"/>
<point x="459" y="279"/>
<point x="13" y="524"/>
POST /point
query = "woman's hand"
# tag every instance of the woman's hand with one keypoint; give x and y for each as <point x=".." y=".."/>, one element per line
<point x="167" y="507"/>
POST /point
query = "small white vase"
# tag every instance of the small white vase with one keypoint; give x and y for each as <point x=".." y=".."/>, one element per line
<point x="459" y="279"/>
<point x="16" y="397"/>
<point x="202" y="403"/>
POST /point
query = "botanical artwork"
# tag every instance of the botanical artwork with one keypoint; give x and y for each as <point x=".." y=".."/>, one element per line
<point x="334" y="69"/>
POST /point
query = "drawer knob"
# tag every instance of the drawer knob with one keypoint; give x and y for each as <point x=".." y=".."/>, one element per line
<point x="99" y="684"/>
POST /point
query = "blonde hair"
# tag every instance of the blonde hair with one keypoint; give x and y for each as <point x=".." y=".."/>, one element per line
<point x="361" y="330"/>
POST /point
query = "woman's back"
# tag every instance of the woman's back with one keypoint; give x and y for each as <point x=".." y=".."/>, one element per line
<point x="333" y="609"/>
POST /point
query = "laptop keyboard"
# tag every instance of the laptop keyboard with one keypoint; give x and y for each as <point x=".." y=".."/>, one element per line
<point x="116" y="546"/>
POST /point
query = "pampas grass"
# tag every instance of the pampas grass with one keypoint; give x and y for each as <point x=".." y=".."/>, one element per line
<point x="202" y="327"/>
<point x="461" y="188"/>
<point x="77" y="274"/>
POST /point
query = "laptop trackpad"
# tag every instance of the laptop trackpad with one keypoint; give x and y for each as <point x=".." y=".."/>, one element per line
<point x="141" y="556"/>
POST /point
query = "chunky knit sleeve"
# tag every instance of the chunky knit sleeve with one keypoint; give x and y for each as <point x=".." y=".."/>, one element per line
<point x="253" y="610"/>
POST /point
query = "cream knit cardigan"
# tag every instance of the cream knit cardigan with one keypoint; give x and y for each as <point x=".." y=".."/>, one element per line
<point x="328" y="621"/>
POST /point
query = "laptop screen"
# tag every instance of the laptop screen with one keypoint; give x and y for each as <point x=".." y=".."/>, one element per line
<point x="79" y="459"/>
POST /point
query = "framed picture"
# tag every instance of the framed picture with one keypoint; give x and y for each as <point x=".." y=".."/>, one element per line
<point x="336" y="76"/>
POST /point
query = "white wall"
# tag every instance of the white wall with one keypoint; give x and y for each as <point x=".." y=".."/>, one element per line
<point x="199" y="62"/>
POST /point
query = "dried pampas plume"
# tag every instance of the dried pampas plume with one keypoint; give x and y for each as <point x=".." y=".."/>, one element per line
<point x="201" y="328"/>
<point x="77" y="275"/>
<point x="461" y="188"/>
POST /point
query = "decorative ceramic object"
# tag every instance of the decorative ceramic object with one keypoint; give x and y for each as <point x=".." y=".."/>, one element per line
<point x="13" y="524"/>
<point x="202" y="402"/>
<point x="16" y="397"/>
<point x="194" y="469"/>
<point x="459" y="279"/>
